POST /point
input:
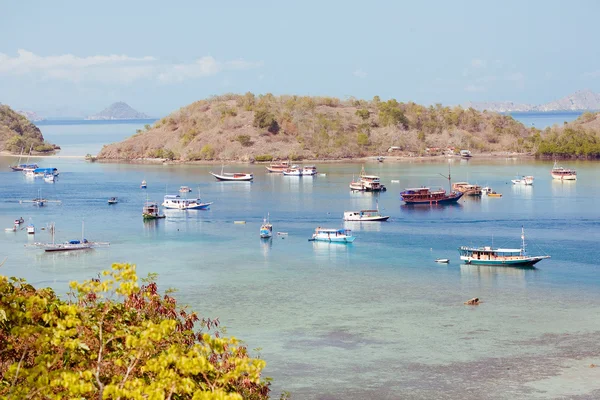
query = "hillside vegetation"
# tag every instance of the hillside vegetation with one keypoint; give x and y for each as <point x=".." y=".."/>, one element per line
<point x="248" y="127"/>
<point x="17" y="132"/>
<point x="579" y="138"/>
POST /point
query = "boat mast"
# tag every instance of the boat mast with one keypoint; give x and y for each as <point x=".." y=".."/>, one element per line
<point x="82" y="221"/>
<point x="448" y="177"/>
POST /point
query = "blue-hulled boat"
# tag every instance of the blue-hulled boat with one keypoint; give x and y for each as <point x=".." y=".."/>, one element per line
<point x="488" y="255"/>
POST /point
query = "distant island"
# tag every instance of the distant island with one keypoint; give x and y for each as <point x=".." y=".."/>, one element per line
<point x="118" y="110"/>
<point x="582" y="100"/>
<point x="31" y="115"/>
<point x="267" y="127"/>
<point x="18" y="134"/>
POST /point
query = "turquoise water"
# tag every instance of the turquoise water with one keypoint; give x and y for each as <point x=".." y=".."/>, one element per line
<point x="375" y="319"/>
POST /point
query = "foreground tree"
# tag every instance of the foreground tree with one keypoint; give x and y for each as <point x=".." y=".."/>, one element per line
<point x="114" y="339"/>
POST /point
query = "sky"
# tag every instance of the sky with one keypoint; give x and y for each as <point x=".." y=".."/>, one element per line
<point x="77" y="57"/>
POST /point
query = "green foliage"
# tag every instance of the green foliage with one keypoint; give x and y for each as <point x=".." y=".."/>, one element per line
<point x="147" y="127"/>
<point x="226" y="111"/>
<point x="363" y="113"/>
<point x="264" y="119"/>
<point x="264" y="157"/>
<point x="18" y="133"/>
<point x="247" y="101"/>
<point x="189" y="136"/>
<point x="362" y="139"/>
<point x="391" y="114"/>
<point x="207" y="152"/>
<point x="166" y="154"/>
<point x="245" y="140"/>
<point x="421" y="136"/>
<point x="116" y="339"/>
<point x="44" y="148"/>
<point x="574" y="141"/>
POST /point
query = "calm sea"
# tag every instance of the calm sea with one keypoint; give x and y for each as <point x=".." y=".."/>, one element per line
<point x="375" y="319"/>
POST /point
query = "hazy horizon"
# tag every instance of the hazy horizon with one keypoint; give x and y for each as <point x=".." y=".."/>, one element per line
<point x="83" y="57"/>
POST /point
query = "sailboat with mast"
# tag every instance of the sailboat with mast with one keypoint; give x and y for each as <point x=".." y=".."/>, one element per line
<point x="425" y="195"/>
<point x="233" y="176"/>
<point x="22" y="167"/>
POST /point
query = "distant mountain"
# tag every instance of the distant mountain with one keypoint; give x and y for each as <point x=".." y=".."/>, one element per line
<point x="119" y="110"/>
<point x="30" y="115"/>
<point x="582" y="100"/>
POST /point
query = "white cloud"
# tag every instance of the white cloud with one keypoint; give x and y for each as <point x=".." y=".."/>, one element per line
<point x="359" y="73"/>
<point x="475" y="88"/>
<point x="114" y="68"/>
<point x="478" y="63"/>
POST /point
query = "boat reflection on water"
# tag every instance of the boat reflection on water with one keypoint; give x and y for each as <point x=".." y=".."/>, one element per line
<point x="430" y="208"/>
<point x="357" y="226"/>
<point x="490" y="273"/>
<point x="564" y="187"/>
<point x="266" y="245"/>
<point x="331" y="250"/>
<point x="524" y="191"/>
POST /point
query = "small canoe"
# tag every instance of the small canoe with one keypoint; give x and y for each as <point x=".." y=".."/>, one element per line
<point x="442" y="260"/>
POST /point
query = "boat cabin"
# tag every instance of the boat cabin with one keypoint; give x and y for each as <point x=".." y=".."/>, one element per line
<point x="489" y="253"/>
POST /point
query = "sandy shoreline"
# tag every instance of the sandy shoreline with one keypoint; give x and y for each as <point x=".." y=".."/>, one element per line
<point x="7" y="154"/>
<point x="388" y="159"/>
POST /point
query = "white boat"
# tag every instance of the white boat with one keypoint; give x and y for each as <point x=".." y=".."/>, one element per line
<point x="177" y="203"/>
<point x="266" y="229"/>
<point x="233" y="176"/>
<point x="294" y="170"/>
<point x="562" y="173"/>
<point x="333" y="235"/>
<point x="143" y="185"/>
<point x="309" y="170"/>
<point x="113" y="200"/>
<point x="367" y="183"/>
<point x="39" y="201"/>
<point x="442" y="260"/>
<point x="465" y="154"/>
<point x="380" y="158"/>
<point x="365" y="216"/>
<point x="184" y="189"/>
<point x="522" y="180"/>
<point x="30" y="229"/>
<point x="49" y="178"/>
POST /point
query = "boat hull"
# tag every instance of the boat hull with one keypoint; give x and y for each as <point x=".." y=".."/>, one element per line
<point x="367" y="219"/>
<point x="523" y="262"/>
<point x="201" y="206"/>
<point x="74" y="248"/>
<point x="148" y="216"/>
<point x="225" y="178"/>
<point x="347" y="239"/>
<point x="446" y="200"/>
<point x="564" y="177"/>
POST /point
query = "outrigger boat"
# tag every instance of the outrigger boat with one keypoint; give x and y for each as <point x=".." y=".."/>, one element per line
<point x="72" y="245"/>
<point x="563" y="174"/>
<point x="233" y="176"/>
<point x="39" y="201"/>
<point x="365" y="216"/>
<point x="266" y="229"/>
<point x="151" y="211"/>
<point x="333" y="235"/>
<point x="488" y="255"/>
<point x="278" y="167"/>
<point x="367" y="183"/>
<point x="522" y="180"/>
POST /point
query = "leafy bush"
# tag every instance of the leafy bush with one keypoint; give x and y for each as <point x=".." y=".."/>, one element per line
<point x="244" y="140"/>
<point x="189" y="136"/>
<point x="265" y="120"/>
<point x="44" y="148"/>
<point x="264" y="157"/>
<point x="362" y="139"/>
<point x="116" y="339"/>
<point x="207" y="152"/>
<point x="166" y="154"/>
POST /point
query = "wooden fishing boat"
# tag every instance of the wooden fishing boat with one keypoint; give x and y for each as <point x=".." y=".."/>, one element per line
<point x="278" y="167"/>
<point x="233" y="176"/>
<point x="562" y="173"/>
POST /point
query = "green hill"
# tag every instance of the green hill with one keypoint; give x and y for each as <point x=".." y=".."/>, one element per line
<point x="17" y="132"/>
<point x="248" y="127"/>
